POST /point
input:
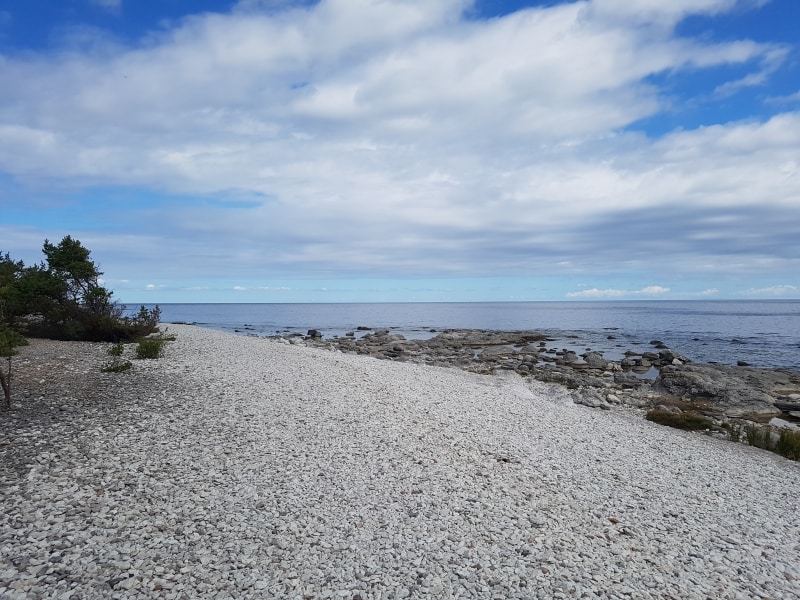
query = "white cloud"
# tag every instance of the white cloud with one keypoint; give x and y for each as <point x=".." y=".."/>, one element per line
<point x="790" y="99"/>
<point x="652" y="290"/>
<point x="774" y="291"/>
<point x="397" y="135"/>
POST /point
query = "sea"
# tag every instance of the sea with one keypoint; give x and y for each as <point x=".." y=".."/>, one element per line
<point x="762" y="334"/>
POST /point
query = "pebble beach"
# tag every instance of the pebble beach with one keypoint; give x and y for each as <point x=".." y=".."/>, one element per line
<point x="240" y="467"/>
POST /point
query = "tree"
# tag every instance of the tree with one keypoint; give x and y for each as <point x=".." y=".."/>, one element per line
<point x="9" y="340"/>
<point x="9" y="273"/>
<point x="70" y="262"/>
<point x="63" y="299"/>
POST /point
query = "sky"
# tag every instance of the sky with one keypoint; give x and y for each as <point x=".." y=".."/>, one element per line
<point x="407" y="150"/>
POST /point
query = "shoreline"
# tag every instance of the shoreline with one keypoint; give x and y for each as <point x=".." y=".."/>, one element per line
<point x="656" y="376"/>
<point x="244" y="466"/>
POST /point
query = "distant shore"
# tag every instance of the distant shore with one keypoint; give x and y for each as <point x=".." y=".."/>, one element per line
<point x="247" y="467"/>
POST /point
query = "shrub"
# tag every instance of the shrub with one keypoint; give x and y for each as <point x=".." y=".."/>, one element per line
<point x="153" y="347"/>
<point x="788" y="444"/>
<point x="116" y="367"/>
<point x="685" y="420"/>
<point x="734" y="431"/>
<point x="116" y="364"/>
<point x="9" y="340"/>
<point x="760" y="437"/>
<point x="150" y="348"/>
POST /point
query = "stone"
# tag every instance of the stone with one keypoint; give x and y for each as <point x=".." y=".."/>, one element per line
<point x="595" y="360"/>
<point x="726" y="388"/>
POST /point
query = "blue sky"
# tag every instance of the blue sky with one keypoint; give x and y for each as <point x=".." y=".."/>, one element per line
<point x="393" y="150"/>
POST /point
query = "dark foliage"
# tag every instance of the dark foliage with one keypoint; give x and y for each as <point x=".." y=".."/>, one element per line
<point x="63" y="299"/>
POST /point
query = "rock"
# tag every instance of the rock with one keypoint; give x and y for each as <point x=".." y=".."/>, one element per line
<point x="588" y="398"/>
<point x="595" y="360"/>
<point x="569" y="356"/>
<point x="495" y="352"/>
<point x="728" y="389"/>
<point x="314" y="333"/>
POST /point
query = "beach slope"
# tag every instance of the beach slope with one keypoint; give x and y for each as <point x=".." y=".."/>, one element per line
<point x="241" y="467"/>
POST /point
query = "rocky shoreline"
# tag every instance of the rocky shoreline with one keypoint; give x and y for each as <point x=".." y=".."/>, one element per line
<point x="659" y="377"/>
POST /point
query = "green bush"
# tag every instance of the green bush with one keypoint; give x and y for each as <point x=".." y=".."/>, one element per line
<point x="9" y="340"/>
<point x="760" y="437"/>
<point x="734" y="431"/>
<point x="788" y="444"/>
<point x="684" y="420"/>
<point x="117" y="367"/>
<point x="116" y="364"/>
<point x="150" y="348"/>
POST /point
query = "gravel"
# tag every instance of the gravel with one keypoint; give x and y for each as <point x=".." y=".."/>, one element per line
<point x="239" y="467"/>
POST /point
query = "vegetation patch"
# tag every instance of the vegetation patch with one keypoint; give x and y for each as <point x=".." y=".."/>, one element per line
<point x="788" y="444"/>
<point x="779" y="440"/>
<point x="685" y="420"/>
<point x="9" y="340"/>
<point x="116" y="364"/>
<point x="153" y="347"/>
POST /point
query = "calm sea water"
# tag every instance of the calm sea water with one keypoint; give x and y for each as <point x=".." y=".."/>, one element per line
<point x="762" y="333"/>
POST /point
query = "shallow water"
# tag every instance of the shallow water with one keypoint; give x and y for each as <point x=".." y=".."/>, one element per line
<point x="761" y="333"/>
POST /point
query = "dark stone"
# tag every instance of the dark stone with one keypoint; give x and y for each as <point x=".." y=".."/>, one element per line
<point x="595" y="360"/>
<point x="115" y="581"/>
<point x="314" y="333"/>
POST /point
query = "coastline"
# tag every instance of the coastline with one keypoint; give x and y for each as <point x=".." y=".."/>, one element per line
<point x="242" y="466"/>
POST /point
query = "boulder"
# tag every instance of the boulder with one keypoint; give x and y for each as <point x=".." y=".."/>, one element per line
<point x="727" y="389"/>
<point x="595" y="360"/>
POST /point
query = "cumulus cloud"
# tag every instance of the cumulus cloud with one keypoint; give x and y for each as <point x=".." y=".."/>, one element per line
<point x="774" y="291"/>
<point x="403" y="137"/>
<point x="649" y="291"/>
